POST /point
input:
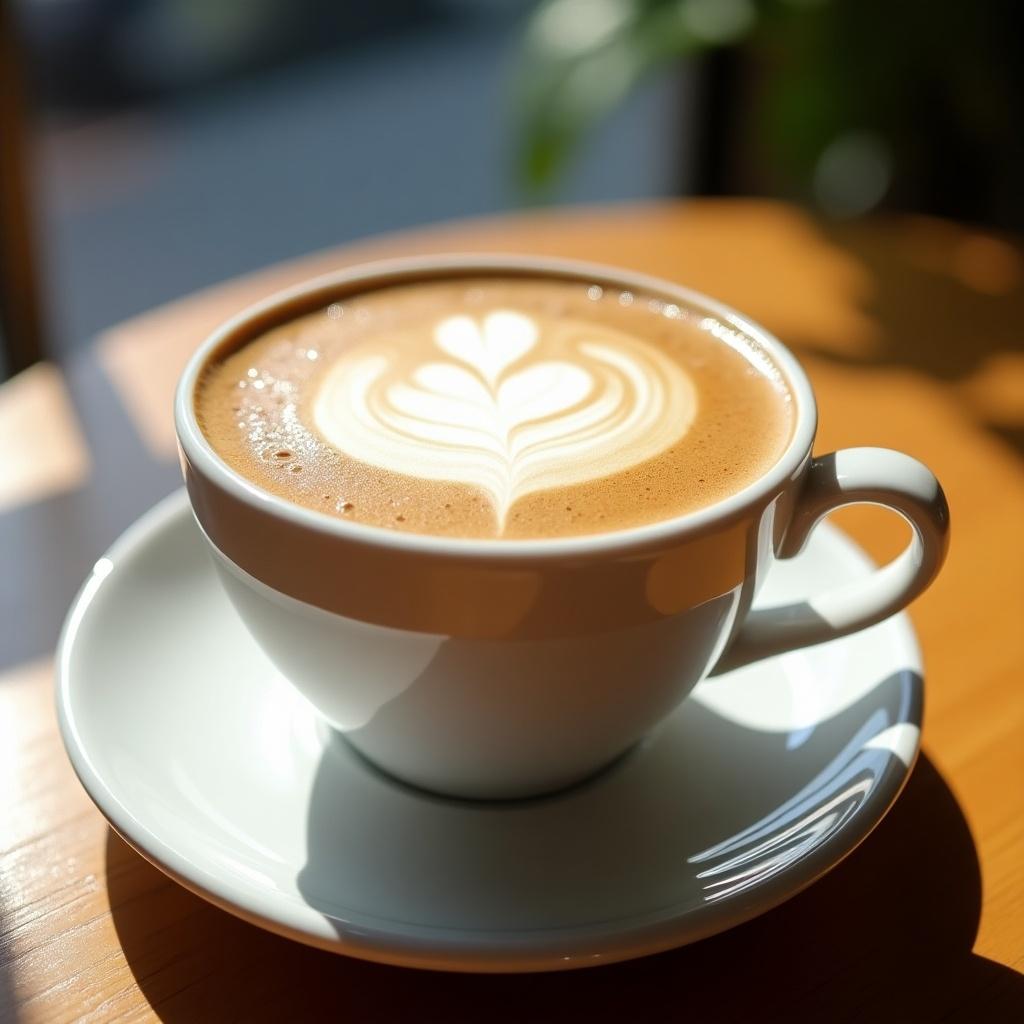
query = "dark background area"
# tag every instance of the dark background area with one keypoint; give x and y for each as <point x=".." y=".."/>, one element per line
<point x="153" y="147"/>
<point x="174" y="144"/>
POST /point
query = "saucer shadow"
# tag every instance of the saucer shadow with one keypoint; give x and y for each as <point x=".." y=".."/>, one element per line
<point x="887" y="935"/>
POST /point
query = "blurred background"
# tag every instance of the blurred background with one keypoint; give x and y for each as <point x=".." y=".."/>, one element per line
<point x="154" y="147"/>
<point x="151" y="149"/>
<point x="170" y="144"/>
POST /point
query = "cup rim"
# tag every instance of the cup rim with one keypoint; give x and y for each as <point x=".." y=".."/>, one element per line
<point x="319" y="291"/>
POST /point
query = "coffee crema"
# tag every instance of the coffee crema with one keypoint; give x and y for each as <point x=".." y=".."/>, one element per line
<point x="499" y="407"/>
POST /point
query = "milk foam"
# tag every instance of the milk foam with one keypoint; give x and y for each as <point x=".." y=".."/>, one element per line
<point x="488" y="406"/>
<point x="505" y="402"/>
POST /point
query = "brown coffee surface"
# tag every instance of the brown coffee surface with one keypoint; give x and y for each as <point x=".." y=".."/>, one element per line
<point x="499" y="407"/>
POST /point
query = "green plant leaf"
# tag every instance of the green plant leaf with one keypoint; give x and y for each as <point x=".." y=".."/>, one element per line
<point x="581" y="58"/>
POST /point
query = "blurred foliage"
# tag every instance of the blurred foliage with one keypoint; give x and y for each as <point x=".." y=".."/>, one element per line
<point x="877" y="91"/>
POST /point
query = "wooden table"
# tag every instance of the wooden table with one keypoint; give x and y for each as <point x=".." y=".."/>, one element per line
<point x="911" y="331"/>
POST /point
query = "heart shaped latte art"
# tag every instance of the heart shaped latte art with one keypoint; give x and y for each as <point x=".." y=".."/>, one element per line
<point x="498" y="405"/>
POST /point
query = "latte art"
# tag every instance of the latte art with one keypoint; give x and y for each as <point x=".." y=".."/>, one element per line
<point x="497" y="407"/>
<point x="497" y="412"/>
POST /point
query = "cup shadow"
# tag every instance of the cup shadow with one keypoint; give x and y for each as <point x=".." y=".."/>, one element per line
<point x="887" y="935"/>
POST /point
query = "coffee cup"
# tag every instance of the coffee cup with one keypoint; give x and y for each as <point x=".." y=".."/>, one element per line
<point x="487" y="667"/>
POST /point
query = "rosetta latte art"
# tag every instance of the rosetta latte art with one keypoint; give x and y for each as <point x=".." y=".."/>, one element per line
<point x="499" y="405"/>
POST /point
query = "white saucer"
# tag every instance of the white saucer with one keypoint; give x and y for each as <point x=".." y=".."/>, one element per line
<point x="216" y="771"/>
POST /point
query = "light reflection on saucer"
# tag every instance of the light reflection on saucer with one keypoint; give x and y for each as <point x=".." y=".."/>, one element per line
<point x="803" y="824"/>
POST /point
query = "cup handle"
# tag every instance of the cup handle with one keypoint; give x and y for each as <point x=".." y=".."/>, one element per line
<point x="852" y="476"/>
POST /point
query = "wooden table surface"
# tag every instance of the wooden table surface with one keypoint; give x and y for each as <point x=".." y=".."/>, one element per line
<point x="911" y="331"/>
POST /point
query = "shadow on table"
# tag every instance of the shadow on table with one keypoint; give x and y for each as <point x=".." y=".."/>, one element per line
<point x="948" y="302"/>
<point x="899" y="917"/>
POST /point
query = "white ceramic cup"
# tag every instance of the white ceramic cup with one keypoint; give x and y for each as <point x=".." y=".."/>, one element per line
<point x="507" y="668"/>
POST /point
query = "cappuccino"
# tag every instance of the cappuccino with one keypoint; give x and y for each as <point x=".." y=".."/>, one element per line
<point x="508" y="407"/>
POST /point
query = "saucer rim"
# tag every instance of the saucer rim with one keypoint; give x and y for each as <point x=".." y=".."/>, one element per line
<point x="436" y="947"/>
